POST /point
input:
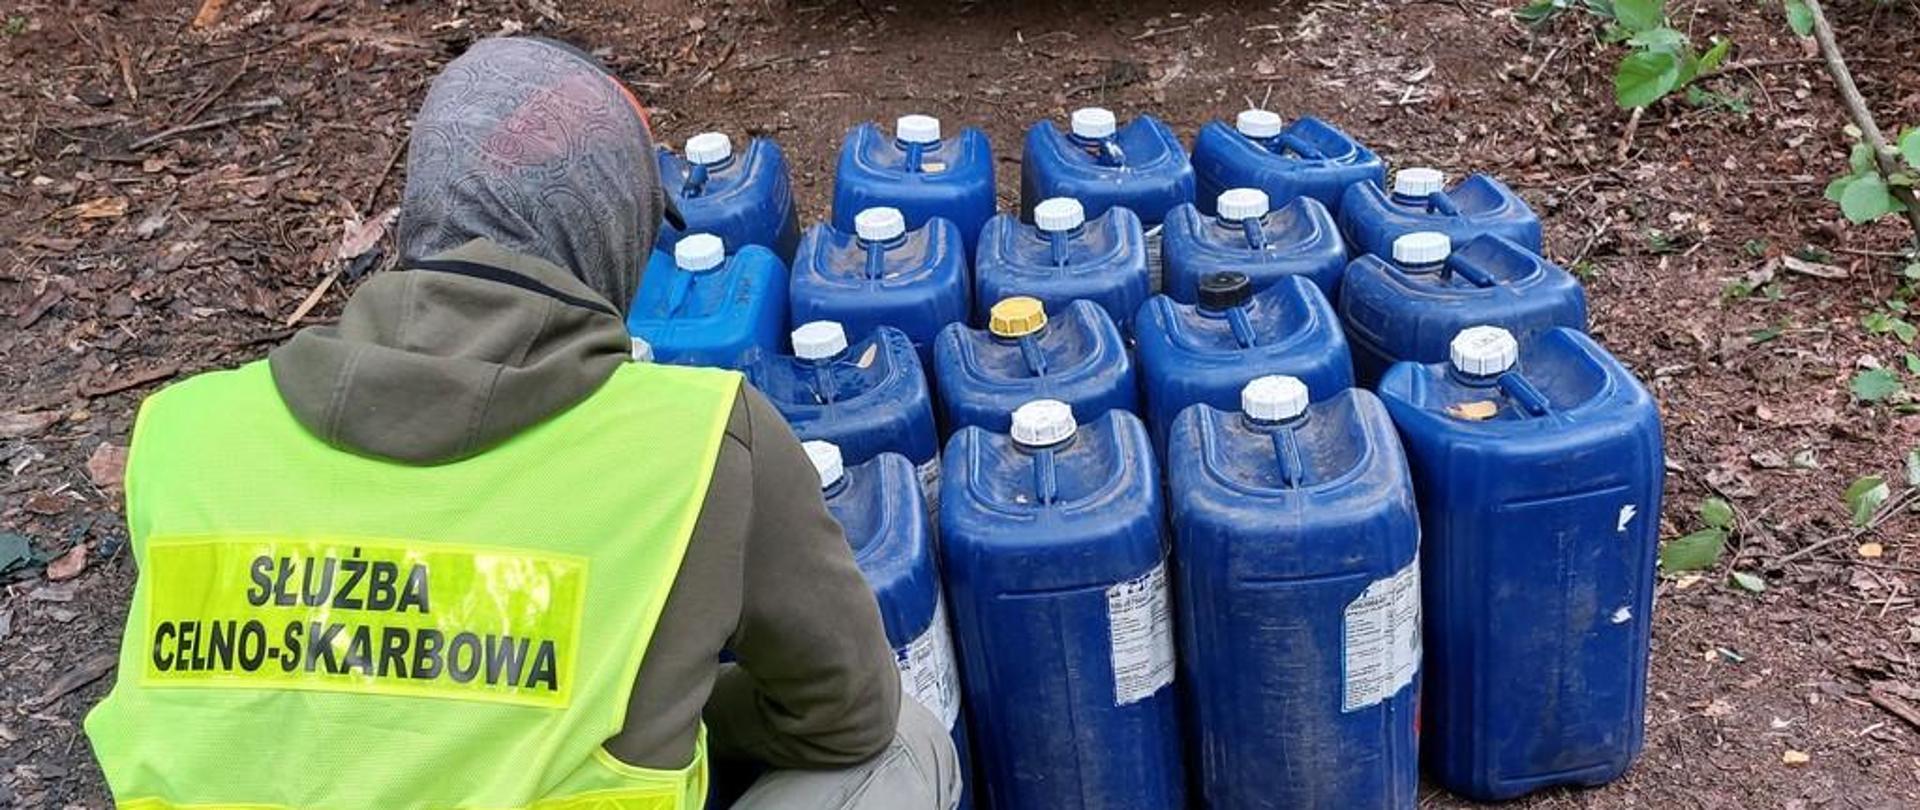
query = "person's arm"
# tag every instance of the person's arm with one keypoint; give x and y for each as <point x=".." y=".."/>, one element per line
<point x="815" y="685"/>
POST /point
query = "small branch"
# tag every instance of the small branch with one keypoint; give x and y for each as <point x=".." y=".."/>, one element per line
<point x="252" y="109"/>
<point x="1862" y="117"/>
<point x="1626" y="138"/>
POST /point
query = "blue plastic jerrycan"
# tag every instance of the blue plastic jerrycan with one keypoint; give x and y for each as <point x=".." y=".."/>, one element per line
<point x="701" y="307"/>
<point x="1074" y="354"/>
<point x="1248" y="236"/>
<point x="1308" y="158"/>
<point x="1410" y="308"/>
<point x="1372" y="218"/>
<point x="883" y="274"/>
<point x="745" y="199"/>
<point x="918" y="171"/>
<point x="1064" y="257"/>
<point x="1206" y="352"/>
<point x="1141" y="166"/>
<point x="1538" y="471"/>
<point x="868" y="398"/>
<point x="1299" y="591"/>
<point x="1055" y="562"/>
<point x="880" y="507"/>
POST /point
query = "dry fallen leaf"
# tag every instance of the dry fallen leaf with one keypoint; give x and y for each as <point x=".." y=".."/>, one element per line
<point x="1792" y="757"/>
<point x="1478" y="411"/>
<point x="16" y="425"/>
<point x="68" y="565"/>
<point x="360" y="237"/>
<point x="1871" y="550"/>
<point x="96" y="208"/>
<point x="107" y="467"/>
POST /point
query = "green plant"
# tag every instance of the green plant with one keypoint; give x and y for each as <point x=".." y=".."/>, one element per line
<point x="1702" y="548"/>
<point x="1663" y="58"/>
<point x="1864" y="193"/>
<point x="16" y="25"/>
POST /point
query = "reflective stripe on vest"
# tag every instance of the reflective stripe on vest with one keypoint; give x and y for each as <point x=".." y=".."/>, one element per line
<point x="316" y="629"/>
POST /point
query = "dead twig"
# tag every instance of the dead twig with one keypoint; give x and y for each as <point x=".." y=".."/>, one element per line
<point x="1535" y="78"/>
<point x="208" y="14"/>
<point x="1888" y="509"/>
<point x="313" y="298"/>
<point x="373" y="194"/>
<point x="85" y="673"/>
<point x="1895" y="706"/>
<point x="1626" y="138"/>
<point x="251" y="109"/>
<point x="199" y="107"/>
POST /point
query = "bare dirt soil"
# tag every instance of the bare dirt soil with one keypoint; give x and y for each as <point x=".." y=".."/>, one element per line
<point x="170" y="196"/>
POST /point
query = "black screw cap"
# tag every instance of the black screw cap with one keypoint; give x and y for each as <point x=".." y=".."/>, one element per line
<point x="1225" y="290"/>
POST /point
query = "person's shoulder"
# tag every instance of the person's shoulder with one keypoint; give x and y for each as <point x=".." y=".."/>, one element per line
<point x="218" y="385"/>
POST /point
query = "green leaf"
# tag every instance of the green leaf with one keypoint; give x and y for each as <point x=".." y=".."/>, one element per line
<point x="1759" y="336"/>
<point x="1800" y="18"/>
<point x="1910" y="147"/>
<point x="1640" y="15"/>
<point x="1861" y="159"/>
<point x="1913" y="468"/>
<point x="1911" y="271"/>
<point x="1864" y="498"/>
<point x="1913" y="362"/>
<point x="1693" y="552"/>
<point x="1712" y="59"/>
<point x="1538" y="11"/>
<point x="1659" y="39"/>
<point x="1867" y="199"/>
<point x="1875" y="384"/>
<point x="1716" y="513"/>
<point x="1645" y="77"/>
<point x="1750" y="582"/>
<point x="1904" y="331"/>
<point x="1838" y="188"/>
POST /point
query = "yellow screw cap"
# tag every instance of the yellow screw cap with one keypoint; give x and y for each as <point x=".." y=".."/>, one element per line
<point x="1018" y="316"/>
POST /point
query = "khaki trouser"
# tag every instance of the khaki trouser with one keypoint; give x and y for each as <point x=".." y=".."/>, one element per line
<point x="918" y="771"/>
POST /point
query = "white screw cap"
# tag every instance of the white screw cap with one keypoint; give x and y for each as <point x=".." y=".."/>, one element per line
<point x="708" y="148"/>
<point x="1236" y="204"/>
<point x="819" y="340"/>
<point x="1482" y="351"/>
<point x="826" y="461"/>
<point x="1057" y="214"/>
<point x="1274" y="398"/>
<point x="1093" y="122"/>
<point x="642" y="350"/>
<point x="1419" y="181"/>
<point x="879" y="224"/>
<point x="917" y="129"/>
<point x="1258" y="123"/>
<point x="699" y="251"/>
<point x="1422" y="247"/>
<point x="1043" y="423"/>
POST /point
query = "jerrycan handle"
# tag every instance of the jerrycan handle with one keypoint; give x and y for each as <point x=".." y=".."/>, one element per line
<point x="1046" y="476"/>
<point x="1439" y="202"/>
<point x="916" y="156"/>
<point x="1523" y="392"/>
<point x="1473" y="275"/>
<point x="1036" y="360"/>
<point x="1286" y="450"/>
<point x="1299" y="146"/>
<point x="1242" y="328"/>
<point x="1062" y="247"/>
<point x="1256" y="233"/>
<point x="696" y="183"/>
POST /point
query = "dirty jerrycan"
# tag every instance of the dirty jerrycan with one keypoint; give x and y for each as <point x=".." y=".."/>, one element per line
<point x="1538" y="471"/>
<point x="1063" y="257"/>
<point x="1307" y="158"/>
<point x="745" y="198"/>
<point x="1207" y="351"/>
<point x="1052" y="544"/>
<point x="1410" y="308"/>
<point x="701" y="307"/>
<point x="1299" y="593"/>
<point x="919" y="170"/>
<point x="883" y="274"/>
<point x="1248" y="236"/>
<point x="1141" y="166"/>
<point x="879" y="506"/>
<point x="1074" y="354"/>
<point x="1372" y="217"/>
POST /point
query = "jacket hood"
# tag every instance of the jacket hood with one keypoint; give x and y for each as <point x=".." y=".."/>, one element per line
<point x="531" y="201"/>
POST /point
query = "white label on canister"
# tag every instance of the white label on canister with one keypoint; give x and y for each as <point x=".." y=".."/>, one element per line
<point x="930" y="486"/>
<point x="1140" y="627"/>
<point x="1156" y="272"/>
<point x="1382" y="639"/>
<point x="927" y="671"/>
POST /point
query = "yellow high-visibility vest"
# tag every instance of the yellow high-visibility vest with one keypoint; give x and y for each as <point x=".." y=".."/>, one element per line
<point x="316" y="629"/>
